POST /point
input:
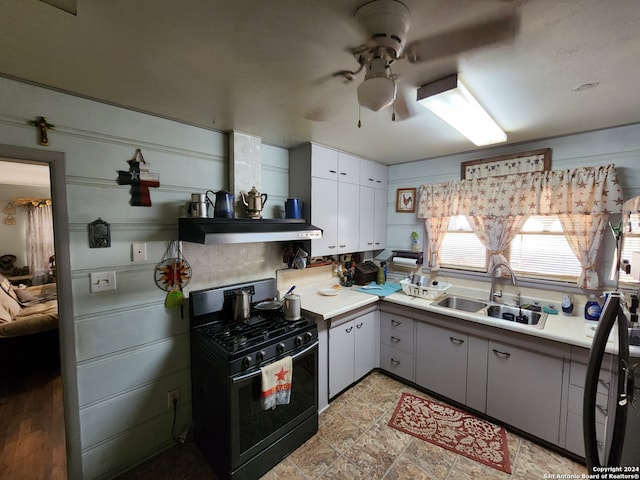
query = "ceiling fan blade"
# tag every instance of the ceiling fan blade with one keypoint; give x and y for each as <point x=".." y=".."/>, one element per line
<point x="499" y="29"/>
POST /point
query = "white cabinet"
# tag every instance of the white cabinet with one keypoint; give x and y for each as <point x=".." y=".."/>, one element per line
<point x="524" y="389"/>
<point x="327" y="181"/>
<point x="373" y="174"/>
<point x="373" y="218"/>
<point x="441" y="361"/>
<point x="397" y="345"/>
<point x="352" y="350"/>
<point x="577" y="374"/>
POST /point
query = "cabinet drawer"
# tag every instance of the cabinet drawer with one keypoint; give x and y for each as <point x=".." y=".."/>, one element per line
<point x="397" y="362"/>
<point x="396" y="322"/>
<point x="575" y="436"/>
<point x="397" y="339"/>
<point x="578" y="374"/>
<point x="576" y="400"/>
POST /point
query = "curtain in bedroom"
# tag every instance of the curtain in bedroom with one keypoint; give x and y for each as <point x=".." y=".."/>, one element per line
<point x="39" y="241"/>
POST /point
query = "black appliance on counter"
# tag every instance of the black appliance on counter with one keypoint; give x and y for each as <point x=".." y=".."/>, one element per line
<point x="238" y="438"/>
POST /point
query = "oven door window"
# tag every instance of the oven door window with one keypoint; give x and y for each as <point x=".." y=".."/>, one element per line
<point x="258" y="428"/>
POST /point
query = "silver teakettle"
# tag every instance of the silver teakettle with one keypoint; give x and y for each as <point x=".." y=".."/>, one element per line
<point x="254" y="201"/>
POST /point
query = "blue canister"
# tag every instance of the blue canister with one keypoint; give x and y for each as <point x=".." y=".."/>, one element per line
<point x="592" y="309"/>
<point x="293" y="208"/>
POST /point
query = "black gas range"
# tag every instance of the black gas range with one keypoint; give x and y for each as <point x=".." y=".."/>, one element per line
<point x="240" y="439"/>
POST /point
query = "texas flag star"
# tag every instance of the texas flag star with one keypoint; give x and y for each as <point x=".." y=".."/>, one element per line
<point x="281" y="375"/>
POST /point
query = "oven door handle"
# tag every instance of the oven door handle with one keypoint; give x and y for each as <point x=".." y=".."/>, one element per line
<point x="247" y="376"/>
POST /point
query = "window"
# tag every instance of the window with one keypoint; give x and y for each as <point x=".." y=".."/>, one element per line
<point x="539" y="250"/>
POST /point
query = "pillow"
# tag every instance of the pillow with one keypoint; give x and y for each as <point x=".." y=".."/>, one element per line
<point x="9" y="306"/>
<point x="24" y="295"/>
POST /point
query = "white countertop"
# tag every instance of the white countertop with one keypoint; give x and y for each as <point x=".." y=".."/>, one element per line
<point x="325" y="307"/>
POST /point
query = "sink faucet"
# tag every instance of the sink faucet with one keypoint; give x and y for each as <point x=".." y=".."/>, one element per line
<point x="492" y="292"/>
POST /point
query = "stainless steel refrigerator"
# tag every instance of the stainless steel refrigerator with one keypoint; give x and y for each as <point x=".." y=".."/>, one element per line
<point x="622" y="438"/>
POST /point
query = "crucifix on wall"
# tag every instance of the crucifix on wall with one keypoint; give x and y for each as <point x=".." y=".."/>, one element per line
<point x="43" y="126"/>
<point x="140" y="180"/>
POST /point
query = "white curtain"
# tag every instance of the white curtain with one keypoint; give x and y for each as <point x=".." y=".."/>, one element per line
<point x="39" y="241"/>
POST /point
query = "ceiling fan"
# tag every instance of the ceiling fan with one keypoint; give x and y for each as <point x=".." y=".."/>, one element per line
<point x="387" y="23"/>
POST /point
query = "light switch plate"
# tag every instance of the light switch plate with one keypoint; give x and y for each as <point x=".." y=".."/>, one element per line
<point x="102" y="281"/>
<point x="138" y="252"/>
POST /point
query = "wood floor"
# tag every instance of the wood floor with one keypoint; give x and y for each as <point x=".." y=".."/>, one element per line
<point x="32" y="444"/>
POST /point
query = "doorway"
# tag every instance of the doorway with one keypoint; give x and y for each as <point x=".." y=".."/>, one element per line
<point x="57" y="391"/>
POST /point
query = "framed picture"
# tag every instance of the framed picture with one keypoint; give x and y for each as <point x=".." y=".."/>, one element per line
<point x="406" y="200"/>
<point x="523" y="162"/>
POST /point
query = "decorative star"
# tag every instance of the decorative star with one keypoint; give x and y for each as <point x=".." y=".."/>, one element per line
<point x="280" y="376"/>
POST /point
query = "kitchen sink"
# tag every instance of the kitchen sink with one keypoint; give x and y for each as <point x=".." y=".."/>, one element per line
<point x="461" y="303"/>
<point x="515" y="314"/>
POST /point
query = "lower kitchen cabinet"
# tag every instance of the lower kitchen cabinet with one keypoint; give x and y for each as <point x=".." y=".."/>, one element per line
<point x="524" y="389"/>
<point x="575" y="435"/>
<point x="352" y="350"/>
<point x="397" y="345"/>
<point x="441" y="361"/>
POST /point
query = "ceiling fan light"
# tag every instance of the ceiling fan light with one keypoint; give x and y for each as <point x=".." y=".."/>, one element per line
<point x="376" y="93"/>
<point x="452" y="102"/>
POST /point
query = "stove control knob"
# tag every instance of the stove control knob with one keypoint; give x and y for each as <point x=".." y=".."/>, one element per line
<point x="298" y="340"/>
<point x="260" y="356"/>
<point x="280" y="348"/>
<point x="308" y="336"/>
<point x="246" y="361"/>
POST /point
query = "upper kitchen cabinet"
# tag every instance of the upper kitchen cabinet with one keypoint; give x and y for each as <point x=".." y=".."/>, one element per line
<point x="327" y="182"/>
<point x="373" y="174"/>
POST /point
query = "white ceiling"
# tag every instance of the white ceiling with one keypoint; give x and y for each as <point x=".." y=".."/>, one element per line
<point x="264" y="67"/>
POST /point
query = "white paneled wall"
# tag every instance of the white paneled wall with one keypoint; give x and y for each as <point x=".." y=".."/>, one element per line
<point x="620" y="146"/>
<point x="129" y="349"/>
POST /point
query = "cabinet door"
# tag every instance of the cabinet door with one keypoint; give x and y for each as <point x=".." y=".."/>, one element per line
<point x="341" y="357"/>
<point x="324" y="162"/>
<point x="348" y="217"/>
<point x="380" y="219"/>
<point x="324" y="214"/>
<point x="441" y="361"/>
<point x="366" y="342"/>
<point x="348" y="168"/>
<point x="524" y="389"/>
<point x="367" y="218"/>
<point x="367" y="173"/>
<point x="381" y="176"/>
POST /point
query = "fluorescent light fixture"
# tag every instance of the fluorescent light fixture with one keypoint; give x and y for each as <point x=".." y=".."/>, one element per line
<point x="451" y="101"/>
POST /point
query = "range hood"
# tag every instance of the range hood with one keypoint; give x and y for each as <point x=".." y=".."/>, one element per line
<point x="215" y="231"/>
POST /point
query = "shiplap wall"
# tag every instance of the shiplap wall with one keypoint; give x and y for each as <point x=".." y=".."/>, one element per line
<point x="619" y="146"/>
<point x="130" y="350"/>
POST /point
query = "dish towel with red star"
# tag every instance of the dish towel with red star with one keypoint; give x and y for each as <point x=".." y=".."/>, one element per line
<point x="276" y="383"/>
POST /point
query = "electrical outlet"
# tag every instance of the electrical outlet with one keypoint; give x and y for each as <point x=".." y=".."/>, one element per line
<point x="171" y="395"/>
<point x="138" y="252"/>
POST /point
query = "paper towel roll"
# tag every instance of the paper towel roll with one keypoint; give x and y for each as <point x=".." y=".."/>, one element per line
<point x="409" y="262"/>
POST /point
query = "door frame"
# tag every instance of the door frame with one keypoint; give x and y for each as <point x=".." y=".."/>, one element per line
<point x="56" y="162"/>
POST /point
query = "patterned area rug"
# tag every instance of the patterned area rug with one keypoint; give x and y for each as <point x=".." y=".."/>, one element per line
<point x="452" y="429"/>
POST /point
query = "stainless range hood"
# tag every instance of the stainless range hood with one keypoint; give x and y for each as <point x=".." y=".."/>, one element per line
<point x="215" y="231"/>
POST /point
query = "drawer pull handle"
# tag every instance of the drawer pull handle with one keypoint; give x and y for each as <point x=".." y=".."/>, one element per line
<point x="604" y="383"/>
<point x="396" y="323"/>
<point x="332" y="246"/>
<point x="360" y="325"/>
<point x="602" y="409"/>
<point x="394" y="339"/>
<point x="333" y="171"/>
<point x="348" y="330"/>
<point x="501" y="354"/>
<point x="457" y="341"/>
<point x="342" y="173"/>
<point x="395" y="362"/>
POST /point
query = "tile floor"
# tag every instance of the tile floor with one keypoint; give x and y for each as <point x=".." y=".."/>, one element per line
<point x="355" y="442"/>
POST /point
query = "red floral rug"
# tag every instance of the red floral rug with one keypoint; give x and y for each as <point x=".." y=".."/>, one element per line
<point x="452" y="429"/>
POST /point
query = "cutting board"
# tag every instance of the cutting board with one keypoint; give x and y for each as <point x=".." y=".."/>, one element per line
<point x="384" y="290"/>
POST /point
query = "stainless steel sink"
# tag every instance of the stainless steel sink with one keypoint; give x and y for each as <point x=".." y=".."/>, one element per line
<point x="461" y="303"/>
<point x="515" y="314"/>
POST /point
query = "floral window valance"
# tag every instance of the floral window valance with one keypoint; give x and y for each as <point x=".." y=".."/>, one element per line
<point x="587" y="190"/>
